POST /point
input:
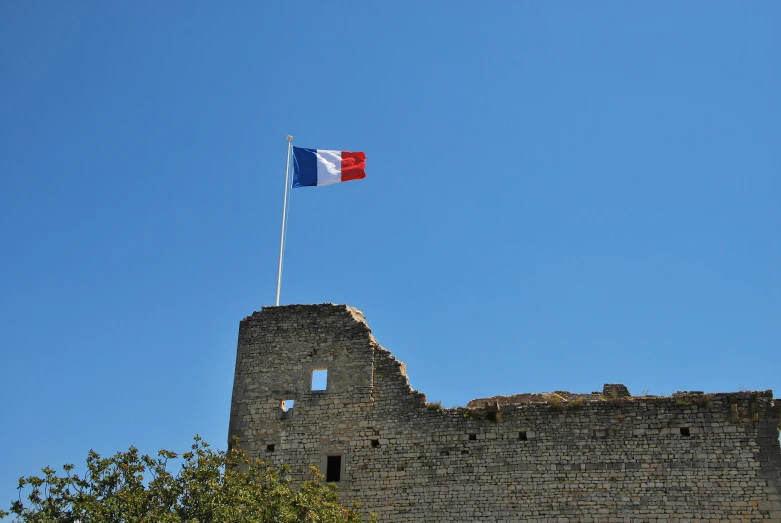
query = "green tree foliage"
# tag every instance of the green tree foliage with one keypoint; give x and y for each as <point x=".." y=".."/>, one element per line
<point x="210" y="487"/>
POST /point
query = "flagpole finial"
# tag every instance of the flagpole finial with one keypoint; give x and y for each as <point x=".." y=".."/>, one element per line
<point x="289" y="138"/>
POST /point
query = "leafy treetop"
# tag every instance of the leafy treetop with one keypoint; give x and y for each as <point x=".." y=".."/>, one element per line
<point x="211" y="487"/>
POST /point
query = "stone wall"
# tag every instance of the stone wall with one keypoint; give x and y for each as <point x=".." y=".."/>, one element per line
<point x="539" y="457"/>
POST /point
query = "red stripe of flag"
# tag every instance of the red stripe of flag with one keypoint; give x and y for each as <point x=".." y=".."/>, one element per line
<point x="353" y="165"/>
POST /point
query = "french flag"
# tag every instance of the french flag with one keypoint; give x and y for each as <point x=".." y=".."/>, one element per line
<point x="315" y="167"/>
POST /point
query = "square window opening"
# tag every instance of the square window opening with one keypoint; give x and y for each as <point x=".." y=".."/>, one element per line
<point x="685" y="431"/>
<point x="270" y="448"/>
<point x="319" y="379"/>
<point x="375" y="443"/>
<point x="522" y="436"/>
<point x="333" y="469"/>
<point x="472" y="437"/>
<point x="286" y="405"/>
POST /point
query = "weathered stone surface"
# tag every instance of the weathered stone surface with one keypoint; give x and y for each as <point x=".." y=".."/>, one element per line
<point x="559" y="456"/>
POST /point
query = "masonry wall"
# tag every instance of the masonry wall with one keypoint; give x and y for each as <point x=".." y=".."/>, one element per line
<point x="680" y="459"/>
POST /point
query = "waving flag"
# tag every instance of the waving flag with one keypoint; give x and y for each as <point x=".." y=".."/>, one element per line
<point x="315" y="167"/>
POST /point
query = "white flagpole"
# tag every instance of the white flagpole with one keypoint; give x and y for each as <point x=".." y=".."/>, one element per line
<point x="284" y="216"/>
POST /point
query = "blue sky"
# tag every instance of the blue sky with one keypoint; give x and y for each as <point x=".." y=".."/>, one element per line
<point x="559" y="195"/>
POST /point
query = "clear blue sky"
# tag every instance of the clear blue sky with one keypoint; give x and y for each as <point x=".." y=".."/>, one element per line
<point x="559" y="195"/>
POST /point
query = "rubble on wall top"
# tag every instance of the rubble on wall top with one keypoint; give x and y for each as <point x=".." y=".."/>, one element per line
<point x="307" y="308"/>
<point x="530" y="398"/>
<point x="610" y="391"/>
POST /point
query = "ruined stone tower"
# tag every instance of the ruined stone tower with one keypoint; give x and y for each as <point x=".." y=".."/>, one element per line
<point x="313" y="387"/>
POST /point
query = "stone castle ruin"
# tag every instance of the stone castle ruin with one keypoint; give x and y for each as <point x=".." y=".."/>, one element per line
<point x="313" y="387"/>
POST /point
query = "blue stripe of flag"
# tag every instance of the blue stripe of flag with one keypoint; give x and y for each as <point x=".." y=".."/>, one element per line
<point x="304" y="167"/>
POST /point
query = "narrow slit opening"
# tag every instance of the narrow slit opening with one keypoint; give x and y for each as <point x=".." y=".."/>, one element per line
<point x="333" y="469"/>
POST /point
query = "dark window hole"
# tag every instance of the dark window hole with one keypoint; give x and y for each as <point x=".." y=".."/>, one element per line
<point x="270" y="448"/>
<point x="472" y="437"/>
<point x="375" y="443"/>
<point x="333" y="469"/>
<point x="685" y="431"/>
